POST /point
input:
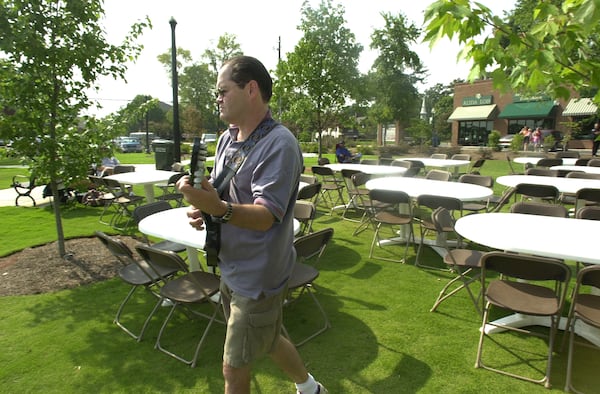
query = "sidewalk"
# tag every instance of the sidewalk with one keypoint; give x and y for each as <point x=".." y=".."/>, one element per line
<point x="8" y="196"/>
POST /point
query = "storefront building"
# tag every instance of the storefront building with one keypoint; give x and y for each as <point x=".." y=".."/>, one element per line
<point x="479" y="109"/>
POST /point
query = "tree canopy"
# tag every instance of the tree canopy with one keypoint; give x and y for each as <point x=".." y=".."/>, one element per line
<point x="553" y="54"/>
<point x="53" y="53"/>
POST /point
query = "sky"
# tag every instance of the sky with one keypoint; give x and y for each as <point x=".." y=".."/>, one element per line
<point x="258" y="25"/>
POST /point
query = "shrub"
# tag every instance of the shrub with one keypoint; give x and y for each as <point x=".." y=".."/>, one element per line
<point x="494" y="141"/>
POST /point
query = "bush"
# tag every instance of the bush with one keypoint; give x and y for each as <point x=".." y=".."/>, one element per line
<point x="517" y="142"/>
<point x="494" y="141"/>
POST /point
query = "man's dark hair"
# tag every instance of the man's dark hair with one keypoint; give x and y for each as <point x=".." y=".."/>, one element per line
<point x="245" y="69"/>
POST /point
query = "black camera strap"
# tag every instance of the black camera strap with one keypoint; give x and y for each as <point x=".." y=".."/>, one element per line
<point x="213" y="229"/>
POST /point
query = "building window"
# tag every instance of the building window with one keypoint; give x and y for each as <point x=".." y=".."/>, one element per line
<point x="474" y="132"/>
<point x="515" y="125"/>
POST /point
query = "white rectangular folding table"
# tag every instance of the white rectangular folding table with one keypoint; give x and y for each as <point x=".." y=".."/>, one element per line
<point x="561" y="238"/>
<point x="146" y="178"/>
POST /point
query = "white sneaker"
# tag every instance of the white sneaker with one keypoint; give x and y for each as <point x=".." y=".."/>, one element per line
<point x="320" y="389"/>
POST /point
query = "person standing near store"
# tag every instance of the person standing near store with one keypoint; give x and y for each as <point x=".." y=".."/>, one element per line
<point x="596" y="143"/>
<point x="256" y="211"/>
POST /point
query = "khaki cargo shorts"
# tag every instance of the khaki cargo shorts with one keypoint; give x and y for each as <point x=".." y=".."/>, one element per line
<point x="253" y="326"/>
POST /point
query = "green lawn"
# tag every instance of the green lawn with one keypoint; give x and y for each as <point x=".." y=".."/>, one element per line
<point x="383" y="338"/>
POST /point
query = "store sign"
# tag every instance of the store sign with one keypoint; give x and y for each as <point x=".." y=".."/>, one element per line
<point x="526" y="99"/>
<point x="476" y="100"/>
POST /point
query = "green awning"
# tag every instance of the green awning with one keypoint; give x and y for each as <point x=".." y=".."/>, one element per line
<point x="476" y="112"/>
<point x="531" y="109"/>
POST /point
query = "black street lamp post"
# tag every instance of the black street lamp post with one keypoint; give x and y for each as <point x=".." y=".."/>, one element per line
<point x="176" y="130"/>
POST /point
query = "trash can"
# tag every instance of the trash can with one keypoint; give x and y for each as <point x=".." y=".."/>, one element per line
<point x="163" y="154"/>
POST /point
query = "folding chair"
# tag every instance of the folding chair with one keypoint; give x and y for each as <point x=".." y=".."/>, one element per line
<point x="309" y="246"/>
<point x="170" y="192"/>
<point x="585" y="307"/>
<point x="538" y="208"/>
<point x="123" y="203"/>
<point x="331" y="187"/>
<point x="353" y="193"/>
<point x="594" y="163"/>
<point x="397" y="217"/>
<point x="464" y="263"/>
<point x="310" y="193"/>
<point x="142" y="211"/>
<point x="481" y="180"/>
<point x="548" y="162"/>
<point x="438" y="175"/>
<point x="476" y="167"/>
<point x="374" y="162"/>
<point x="425" y="205"/>
<point x="136" y="273"/>
<point x="461" y="156"/>
<point x="563" y="154"/>
<point x="365" y="203"/>
<point x="530" y="285"/>
<point x="541" y="171"/>
<point x="189" y="291"/>
<point x="547" y="193"/>
<point x="441" y="156"/>
<point x="304" y="212"/>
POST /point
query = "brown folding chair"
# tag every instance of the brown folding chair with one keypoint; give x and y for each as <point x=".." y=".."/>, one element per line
<point x="438" y="175"/>
<point x="191" y="291"/>
<point x="585" y="308"/>
<point x="426" y="204"/>
<point x="305" y="212"/>
<point x="529" y="285"/>
<point x="136" y="273"/>
<point x="538" y="208"/>
<point x="309" y="247"/>
<point x="464" y="263"/>
<point x="331" y="187"/>
<point x="397" y="217"/>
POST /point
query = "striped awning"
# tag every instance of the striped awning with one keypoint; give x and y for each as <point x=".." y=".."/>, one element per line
<point x="580" y="107"/>
<point x="476" y="112"/>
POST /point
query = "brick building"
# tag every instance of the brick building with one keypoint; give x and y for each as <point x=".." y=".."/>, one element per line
<point x="480" y="109"/>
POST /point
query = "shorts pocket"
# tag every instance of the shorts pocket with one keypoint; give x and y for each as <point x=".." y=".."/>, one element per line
<point x="261" y="334"/>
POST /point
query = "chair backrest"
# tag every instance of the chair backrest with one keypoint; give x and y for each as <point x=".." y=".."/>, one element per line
<point x="178" y="167"/>
<point x="582" y="175"/>
<point x="116" y="247"/>
<point x="323" y="160"/>
<point x="527" y="267"/>
<point x="323" y="171"/>
<point x="442" y="156"/>
<point x="590" y="276"/>
<point x="461" y="156"/>
<point x="347" y="175"/>
<point x="443" y="220"/>
<point x="142" y="211"/>
<point x="438" y="175"/>
<point x="393" y="197"/>
<point x="539" y="191"/>
<point x="416" y="163"/>
<point x="161" y="260"/>
<point x="310" y="179"/>
<point x="541" y="171"/>
<point x="475" y="179"/>
<point x="304" y="211"/>
<point x="588" y="194"/>
<point x="411" y="172"/>
<point x="567" y="154"/>
<point x="114" y="186"/>
<point x="174" y="178"/>
<point x="476" y="166"/>
<point x="313" y="244"/>
<point x="582" y="161"/>
<point x="309" y="192"/>
<point x="594" y="163"/>
<point x="360" y="178"/>
<point x="401" y="163"/>
<point x="549" y="162"/>
<point x="386" y="161"/>
<point x="589" y="212"/>
<point x="119" y="169"/>
<point x="542" y="209"/>
<point x="432" y="202"/>
<point x="370" y="161"/>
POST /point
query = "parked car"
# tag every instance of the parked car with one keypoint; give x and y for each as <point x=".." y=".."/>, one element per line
<point x="209" y="137"/>
<point x="505" y="141"/>
<point x="127" y="145"/>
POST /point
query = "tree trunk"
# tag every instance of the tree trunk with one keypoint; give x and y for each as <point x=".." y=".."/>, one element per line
<point x="56" y="206"/>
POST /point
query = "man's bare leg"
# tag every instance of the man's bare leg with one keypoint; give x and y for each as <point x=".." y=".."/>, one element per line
<point x="286" y="356"/>
<point x="237" y="380"/>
